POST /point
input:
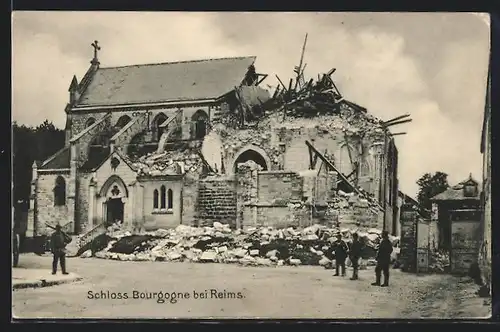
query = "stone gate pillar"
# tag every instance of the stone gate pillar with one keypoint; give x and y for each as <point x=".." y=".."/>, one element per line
<point x="246" y="193"/>
<point x="32" y="213"/>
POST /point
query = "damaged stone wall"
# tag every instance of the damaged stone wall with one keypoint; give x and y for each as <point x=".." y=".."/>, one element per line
<point x="279" y="187"/>
<point x="282" y="145"/>
<point x="325" y="185"/>
<point x="276" y="193"/>
<point x="47" y="212"/>
<point x="125" y="135"/>
<point x="189" y="199"/>
<point x="277" y="216"/>
<point x="290" y="199"/>
<point x="217" y="200"/>
<point x="79" y="121"/>
<point x="272" y="198"/>
<point x="356" y="214"/>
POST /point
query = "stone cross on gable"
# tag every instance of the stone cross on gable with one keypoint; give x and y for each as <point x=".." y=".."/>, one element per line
<point x="96" y="47"/>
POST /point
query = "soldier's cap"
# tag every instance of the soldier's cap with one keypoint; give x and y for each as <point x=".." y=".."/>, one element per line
<point x="354" y="234"/>
<point x="385" y="233"/>
<point x="58" y="226"/>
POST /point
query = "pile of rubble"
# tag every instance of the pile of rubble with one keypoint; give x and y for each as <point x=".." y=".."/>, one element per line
<point x="264" y="246"/>
<point x="439" y="262"/>
<point x="171" y="162"/>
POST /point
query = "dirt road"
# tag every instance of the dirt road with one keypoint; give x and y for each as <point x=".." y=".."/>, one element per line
<point x="266" y="292"/>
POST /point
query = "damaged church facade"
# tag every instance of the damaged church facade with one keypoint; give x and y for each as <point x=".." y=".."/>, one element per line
<point x="156" y="146"/>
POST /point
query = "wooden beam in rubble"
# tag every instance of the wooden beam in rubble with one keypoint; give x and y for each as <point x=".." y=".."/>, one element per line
<point x="342" y="176"/>
<point x="261" y="78"/>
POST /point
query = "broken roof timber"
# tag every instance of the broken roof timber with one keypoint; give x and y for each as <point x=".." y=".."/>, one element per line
<point x="396" y="119"/>
<point x="342" y="176"/>
<point x="262" y="78"/>
<point x="385" y="125"/>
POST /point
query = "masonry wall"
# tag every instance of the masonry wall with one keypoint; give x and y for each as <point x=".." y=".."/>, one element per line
<point x="101" y="175"/>
<point x="79" y="119"/>
<point x="82" y="202"/>
<point x="217" y="200"/>
<point x="189" y="200"/>
<point x="408" y="254"/>
<point x="124" y="136"/>
<point x="106" y="170"/>
<point x="296" y="156"/>
<point x="276" y="186"/>
<point x="270" y="202"/>
<point x="46" y="211"/>
<point x="157" y="218"/>
<point x="356" y="216"/>
<point x="277" y="216"/>
<point x="284" y="199"/>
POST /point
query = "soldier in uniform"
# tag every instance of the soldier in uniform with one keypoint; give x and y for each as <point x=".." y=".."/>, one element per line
<point x="341" y="249"/>
<point x="354" y="255"/>
<point x="383" y="260"/>
<point x="58" y="242"/>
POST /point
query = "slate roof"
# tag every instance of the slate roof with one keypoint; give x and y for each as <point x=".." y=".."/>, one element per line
<point x="165" y="82"/>
<point x="96" y="157"/>
<point x="456" y="192"/>
<point x="59" y="160"/>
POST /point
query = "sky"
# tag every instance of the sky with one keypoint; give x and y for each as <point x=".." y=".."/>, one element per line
<point x="430" y="65"/>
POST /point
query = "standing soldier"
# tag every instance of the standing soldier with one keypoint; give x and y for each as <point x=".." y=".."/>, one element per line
<point x="354" y="255"/>
<point x="341" y="249"/>
<point x="58" y="242"/>
<point x="383" y="260"/>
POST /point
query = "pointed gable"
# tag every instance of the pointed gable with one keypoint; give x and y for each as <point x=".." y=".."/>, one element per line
<point x="74" y="84"/>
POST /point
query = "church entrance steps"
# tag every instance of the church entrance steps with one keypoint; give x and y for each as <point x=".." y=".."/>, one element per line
<point x="86" y="240"/>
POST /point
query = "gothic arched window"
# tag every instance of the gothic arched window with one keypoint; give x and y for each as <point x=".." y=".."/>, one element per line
<point x="89" y="122"/>
<point x="200" y="121"/>
<point x="155" y="199"/>
<point x="157" y="130"/>
<point x="170" y="199"/>
<point x="163" y="198"/>
<point x="60" y="192"/>
<point x="122" y="121"/>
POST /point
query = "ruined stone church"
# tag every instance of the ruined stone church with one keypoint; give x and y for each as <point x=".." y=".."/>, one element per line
<point x="158" y="145"/>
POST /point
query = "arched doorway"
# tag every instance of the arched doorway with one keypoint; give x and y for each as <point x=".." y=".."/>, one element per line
<point x="200" y="121"/>
<point x="251" y="154"/>
<point x="115" y="209"/>
<point x="114" y="195"/>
